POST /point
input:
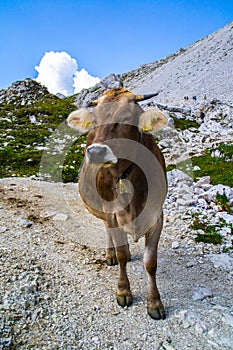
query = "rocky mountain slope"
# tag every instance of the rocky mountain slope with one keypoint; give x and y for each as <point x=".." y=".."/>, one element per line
<point x="202" y="69"/>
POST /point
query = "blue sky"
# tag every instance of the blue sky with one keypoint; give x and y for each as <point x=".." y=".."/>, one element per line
<point x="102" y="36"/>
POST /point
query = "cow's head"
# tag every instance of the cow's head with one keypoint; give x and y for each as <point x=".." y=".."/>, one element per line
<point x="117" y="115"/>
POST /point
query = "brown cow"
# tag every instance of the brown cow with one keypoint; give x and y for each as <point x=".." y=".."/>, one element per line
<point x="123" y="182"/>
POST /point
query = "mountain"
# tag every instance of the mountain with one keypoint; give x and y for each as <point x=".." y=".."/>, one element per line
<point x="200" y="127"/>
<point x="202" y="69"/>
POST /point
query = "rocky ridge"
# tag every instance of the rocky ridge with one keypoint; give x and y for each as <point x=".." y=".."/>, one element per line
<point x="206" y="72"/>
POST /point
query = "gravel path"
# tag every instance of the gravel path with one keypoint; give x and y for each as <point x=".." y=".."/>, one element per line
<point x="58" y="293"/>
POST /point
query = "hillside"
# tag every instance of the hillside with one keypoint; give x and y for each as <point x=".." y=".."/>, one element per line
<point x="204" y="68"/>
<point x="29" y="114"/>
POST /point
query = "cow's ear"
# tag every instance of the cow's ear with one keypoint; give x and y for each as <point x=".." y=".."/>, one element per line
<point x="151" y="120"/>
<point x="80" y="120"/>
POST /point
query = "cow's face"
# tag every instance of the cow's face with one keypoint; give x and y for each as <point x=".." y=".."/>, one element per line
<point x="117" y="116"/>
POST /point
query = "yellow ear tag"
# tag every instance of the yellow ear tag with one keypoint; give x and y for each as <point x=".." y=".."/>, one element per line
<point x="147" y="128"/>
<point x="124" y="187"/>
<point x="86" y="124"/>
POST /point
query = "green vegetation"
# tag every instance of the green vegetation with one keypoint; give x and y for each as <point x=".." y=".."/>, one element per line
<point x="219" y="168"/>
<point x="73" y="161"/>
<point x="22" y="141"/>
<point x="209" y="234"/>
<point x="183" y="124"/>
<point x="222" y="201"/>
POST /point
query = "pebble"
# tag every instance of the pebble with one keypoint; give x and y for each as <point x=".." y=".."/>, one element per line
<point x="202" y="327"/>
<point x="175" y="245"/>
<point x="200" y="293"/>
<point x="25" y="223"/>
<point x="3" y="229"/>
<point x="60" y="217"/>
<point x="221" y="261"/>
<point x="228" y="319"/>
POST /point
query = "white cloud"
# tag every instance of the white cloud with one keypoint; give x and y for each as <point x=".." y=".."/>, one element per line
<point x="83" y="79"/>
<point x="58" y="72"/>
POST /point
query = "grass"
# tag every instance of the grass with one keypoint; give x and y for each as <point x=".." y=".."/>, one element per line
<point x="183" y="124"/>
<point x="209" y="234"/>
<point x="219" y="169"/>
<point x="222" y="201"/>
<point x="20" y="139"/>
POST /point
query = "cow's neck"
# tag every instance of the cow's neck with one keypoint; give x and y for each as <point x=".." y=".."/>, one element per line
<point x="126" y="172"/>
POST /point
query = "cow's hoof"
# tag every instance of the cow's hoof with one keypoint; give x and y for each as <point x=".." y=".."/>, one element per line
<point x="111" y="261"/>
<point x="156" y="311"/>
<point x="125" y="300"/>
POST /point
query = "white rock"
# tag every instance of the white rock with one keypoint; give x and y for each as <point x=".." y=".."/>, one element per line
<point x="202" y="203"/>
<point x="211" y="194"/>
<point x="175" y="245"/>
<point x="200" y="293"/>
<point x="177" y="175"/>
<point x="203" y="181"/>
<point x="3" y="229"/>
<point x="226" y="342"/>
<point x="188" y="317"/>
<point x="25" y="222"/>
<point x="198" y="190"/>
<point x="60" y="217"/>
<point x="225" y="216"/>
<point x="202" y="327"/>
<point x="222" y="261"/>
<point x="228" y="319"/>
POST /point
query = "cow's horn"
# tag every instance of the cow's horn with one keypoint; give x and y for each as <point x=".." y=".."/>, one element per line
<point x="145" y="97"/>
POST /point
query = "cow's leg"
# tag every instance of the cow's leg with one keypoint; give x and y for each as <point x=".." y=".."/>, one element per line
<point x="120" y="242"/>
<point x="124" y="295"/>
<point x="154" y="305"/>
<point x="111" y="258"/>
<point x="110" y="255"/>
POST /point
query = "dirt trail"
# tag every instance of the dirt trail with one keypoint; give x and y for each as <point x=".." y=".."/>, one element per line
<point x="58" y="293"/>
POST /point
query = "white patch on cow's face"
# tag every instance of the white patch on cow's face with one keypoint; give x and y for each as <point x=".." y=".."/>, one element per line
<point x="100" y="155"/>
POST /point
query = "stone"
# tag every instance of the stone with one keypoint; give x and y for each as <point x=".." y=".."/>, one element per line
<point x="196" y="168"/>
<point x="202" y="203"/>
<point x="60" y="217"/>
<point x="175" y="245"/>
<point x="188" y="318"/>
<point x="223" y="261"/>
<point x="25" y="223"/>
<point x="203" y="181"/>
<point x="177" y="175"/>
<point x="200" y="293"/>
<point x="228" y="319"/>
<point x="202" y="327"/>
<point x="3" y="229"/>
<point x="210" y="195"/>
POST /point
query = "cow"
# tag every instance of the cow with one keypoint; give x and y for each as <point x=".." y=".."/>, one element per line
<point x="123" y="182"/>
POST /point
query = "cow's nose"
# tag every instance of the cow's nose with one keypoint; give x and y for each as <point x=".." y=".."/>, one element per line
<point x="97" y="153"/>
<point x="100" y="154"/>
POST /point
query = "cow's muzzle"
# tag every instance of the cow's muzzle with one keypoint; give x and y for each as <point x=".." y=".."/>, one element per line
<point x="100" y="155"/>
